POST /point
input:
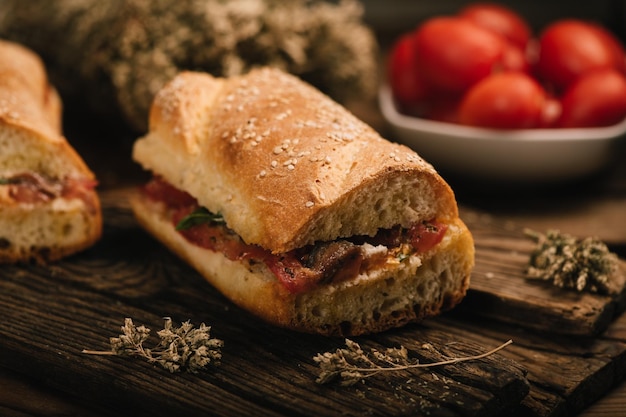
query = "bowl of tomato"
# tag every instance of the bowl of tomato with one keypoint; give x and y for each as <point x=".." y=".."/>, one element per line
<point x="477" y="93"/>
<point x="520" y="155"/>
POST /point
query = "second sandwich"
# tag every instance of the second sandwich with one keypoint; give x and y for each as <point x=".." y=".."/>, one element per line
<point x="296" y="210"/>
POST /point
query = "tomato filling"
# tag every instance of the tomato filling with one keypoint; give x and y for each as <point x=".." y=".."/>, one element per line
<point x="304" y="268"/>
<point x="33" y="188"/>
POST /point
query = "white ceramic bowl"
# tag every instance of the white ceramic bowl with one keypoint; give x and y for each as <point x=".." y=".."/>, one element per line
<point x="525" y="155"/>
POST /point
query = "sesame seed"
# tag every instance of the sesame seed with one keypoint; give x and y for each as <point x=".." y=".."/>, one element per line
<point x="263" y="173"/>
<point x="291" y="167"/>
<point x="274" y="164"/>
<point x="309" y="204"/>
<point x="277" y="150"/>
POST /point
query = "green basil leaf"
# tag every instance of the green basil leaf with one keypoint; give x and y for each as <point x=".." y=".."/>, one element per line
<point x="199" y="216"/>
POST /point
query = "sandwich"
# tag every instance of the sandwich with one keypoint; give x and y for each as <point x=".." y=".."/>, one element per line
<point x="49" y="208"/>
<point x="296" y="210"/>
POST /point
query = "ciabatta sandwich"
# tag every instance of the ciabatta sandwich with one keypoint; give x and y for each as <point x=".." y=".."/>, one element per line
<point x="48" y="206"/>
<point x="296" y="210"/>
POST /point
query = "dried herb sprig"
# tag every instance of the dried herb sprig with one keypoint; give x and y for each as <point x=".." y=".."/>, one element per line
<point x="579" y="264"/>
<point x="180" y="348"/>
<point x="353" y="364"/>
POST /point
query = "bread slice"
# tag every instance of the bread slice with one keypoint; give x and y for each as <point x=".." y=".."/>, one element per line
<point x="48" y="205"/>
<point x="289" y="170"/>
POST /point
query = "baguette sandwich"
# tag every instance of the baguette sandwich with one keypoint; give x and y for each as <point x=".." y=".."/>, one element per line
<point x="296" y="210"/>
<point x="48" y="205"/>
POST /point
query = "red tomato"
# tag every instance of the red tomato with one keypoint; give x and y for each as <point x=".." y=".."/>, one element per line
<point x="501" y="20"/>
<point x="404" y="80"/>
<point x="454" y="53"/>
<point x="569" y="48"/>
<point x="615" y="45"/>
<point x="551" y="112"/>
<point x="508" y="100"/>
<point x="515" y="59"/>
<point x="596" y="99"/>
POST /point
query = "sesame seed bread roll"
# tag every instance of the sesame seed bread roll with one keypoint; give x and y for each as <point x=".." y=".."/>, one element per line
<point x="48" y="207"/>
<point x="337" y="230"/>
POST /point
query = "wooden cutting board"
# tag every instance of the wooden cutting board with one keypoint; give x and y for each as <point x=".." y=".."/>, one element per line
<point x="51" y="313"/>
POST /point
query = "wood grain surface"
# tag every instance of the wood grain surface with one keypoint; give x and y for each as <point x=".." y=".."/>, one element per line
<point x="51" y="313"/>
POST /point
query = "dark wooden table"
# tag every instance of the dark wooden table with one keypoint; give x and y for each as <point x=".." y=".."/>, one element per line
<point x="36" y="374"/>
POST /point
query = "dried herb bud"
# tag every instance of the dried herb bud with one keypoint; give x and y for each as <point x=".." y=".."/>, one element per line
<point x="579" y="264"/>
<point x="180" y="348"/>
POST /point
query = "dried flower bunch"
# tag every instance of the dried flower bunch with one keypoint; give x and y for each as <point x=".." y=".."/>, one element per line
<point x="353" y="364"/>
<point x="183" y="348"/>
<point x="579" y="264"/>
<point x="118" y="53"/>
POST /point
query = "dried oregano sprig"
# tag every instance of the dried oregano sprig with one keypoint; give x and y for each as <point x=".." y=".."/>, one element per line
<point x="180" y="348"/>
<point x="580" y="264"/>
<point x="353" y="364"/>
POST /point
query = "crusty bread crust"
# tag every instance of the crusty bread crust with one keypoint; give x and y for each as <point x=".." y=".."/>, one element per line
<point x="32" y="142"/>
<point x="30" y="119"/>
<point x="284" y="164"/>
<point x="392" y="296"/>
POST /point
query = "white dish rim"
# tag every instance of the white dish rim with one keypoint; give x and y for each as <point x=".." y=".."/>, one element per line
<point x="390" y="112"/>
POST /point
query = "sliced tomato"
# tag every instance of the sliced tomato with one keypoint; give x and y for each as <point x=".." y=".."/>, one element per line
<point x="290" y="273"/>
<point x="426" y="235"/>
<point x="160" y="190"/>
